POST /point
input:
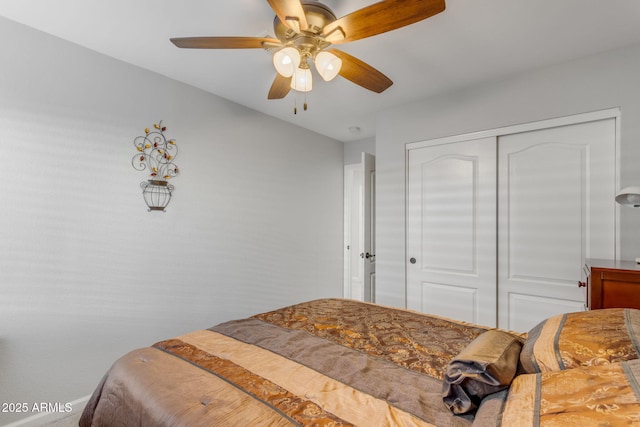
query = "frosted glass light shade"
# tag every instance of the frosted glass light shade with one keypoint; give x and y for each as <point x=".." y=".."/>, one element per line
<point x="629" y="196"/>
<point x="286" y="61"/>
<point x="328" y="65"/>
<point x="302" y="80"/>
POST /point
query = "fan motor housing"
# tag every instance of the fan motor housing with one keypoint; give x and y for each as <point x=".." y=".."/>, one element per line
<point x="318" y="16"/>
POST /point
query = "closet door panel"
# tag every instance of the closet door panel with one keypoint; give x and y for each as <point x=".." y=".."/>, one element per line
<point x="451" y="224"/>
<point x="448" y="191"/>
<point x="546" y="211"/>
<point x="521" y="303"/>
<point x="452" y="300"/>
<point x="556" y="208"/>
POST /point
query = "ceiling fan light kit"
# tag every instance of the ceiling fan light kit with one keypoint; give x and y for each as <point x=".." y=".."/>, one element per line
<point x="304" y="31"/>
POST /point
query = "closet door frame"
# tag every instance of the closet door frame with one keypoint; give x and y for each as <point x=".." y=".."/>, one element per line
<point x="612" y="113"/>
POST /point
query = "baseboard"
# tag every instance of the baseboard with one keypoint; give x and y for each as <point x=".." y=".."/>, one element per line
<point x="48" y="418"/>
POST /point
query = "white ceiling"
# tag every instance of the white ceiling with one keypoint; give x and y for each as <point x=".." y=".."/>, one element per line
<point x="470" y="42"/>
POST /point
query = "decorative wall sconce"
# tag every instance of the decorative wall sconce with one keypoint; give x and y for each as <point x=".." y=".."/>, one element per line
<point x="156" y="154"/>
<point x="629" y="196"/>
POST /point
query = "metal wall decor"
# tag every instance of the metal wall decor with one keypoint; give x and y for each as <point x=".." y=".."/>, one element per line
<point x="156" y="154"/>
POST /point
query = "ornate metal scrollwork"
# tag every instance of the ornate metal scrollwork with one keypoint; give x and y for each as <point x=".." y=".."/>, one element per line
<point x="156" y="154"/>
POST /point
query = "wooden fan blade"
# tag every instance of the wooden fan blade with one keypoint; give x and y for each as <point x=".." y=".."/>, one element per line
<point x="383" y="16"/>
<point x="280" y="87"/>
<point x="361" y="73"/>
<point x="223" y="42"/>
<point x="290" y="13"/>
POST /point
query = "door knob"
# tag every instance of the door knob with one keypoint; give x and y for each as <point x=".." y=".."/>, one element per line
<point x="582" y="284"/>
<point x="412" y="260"/>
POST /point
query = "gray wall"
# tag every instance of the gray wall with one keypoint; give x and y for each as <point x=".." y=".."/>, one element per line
<point x="86" y="273"/>
<point x="353" y="150"/>
<point x="598" y="82"/>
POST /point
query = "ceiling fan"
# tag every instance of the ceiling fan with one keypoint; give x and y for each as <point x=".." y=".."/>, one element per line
<point x="305" y="31"/>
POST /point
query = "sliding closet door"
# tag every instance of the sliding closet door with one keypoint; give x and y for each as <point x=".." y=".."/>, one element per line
<point x="451" y="230"/>
<point x="556" y="208"/>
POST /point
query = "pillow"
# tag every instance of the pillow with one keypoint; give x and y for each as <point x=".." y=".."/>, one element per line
<point x="585" y="338"/>
<point x="485" y="366"/>
<point x="603" y="395"/>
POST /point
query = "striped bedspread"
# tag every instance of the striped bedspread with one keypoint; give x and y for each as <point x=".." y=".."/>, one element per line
<point x="330" y="362"/>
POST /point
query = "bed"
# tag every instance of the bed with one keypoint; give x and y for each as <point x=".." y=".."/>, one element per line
<point x="339" y="362"/>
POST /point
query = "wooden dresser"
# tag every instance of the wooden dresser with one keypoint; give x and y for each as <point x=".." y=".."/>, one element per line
<point x="612" y="284"/>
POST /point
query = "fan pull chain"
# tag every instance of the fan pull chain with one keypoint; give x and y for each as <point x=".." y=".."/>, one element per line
<point x="305" y="105"/>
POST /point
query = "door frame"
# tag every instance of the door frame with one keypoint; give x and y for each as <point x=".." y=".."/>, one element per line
<point x="610" y="113"/>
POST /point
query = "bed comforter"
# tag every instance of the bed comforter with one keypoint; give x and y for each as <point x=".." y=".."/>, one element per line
<point x="330" y="362"/>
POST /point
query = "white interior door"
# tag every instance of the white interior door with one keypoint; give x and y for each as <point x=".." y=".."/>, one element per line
<point x="359" y="223"/>
<point x="368" y="254"/>
<point x="556" y="208"/>
<point x="451" y="223"/>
